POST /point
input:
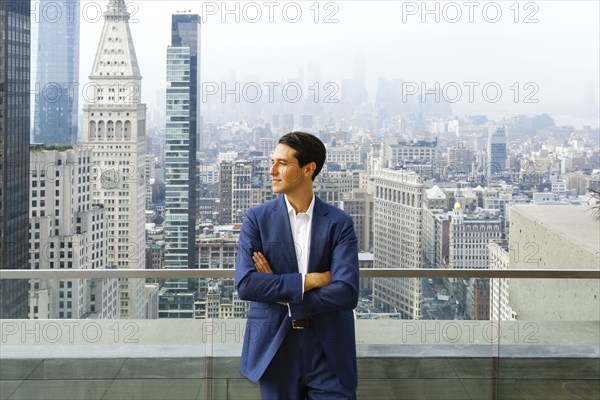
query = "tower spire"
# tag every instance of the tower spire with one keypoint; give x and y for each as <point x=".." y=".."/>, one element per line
<point x="117" y="9"/>
<point x="115" y="56"/>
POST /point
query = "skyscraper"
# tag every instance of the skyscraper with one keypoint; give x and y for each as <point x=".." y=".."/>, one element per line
<point x="14" y="152"/>
<point x="181" y="141"/>
<point x="56" y="107"/>
<point x="398" y="240"/>
<point x="496" y="153"/>
<point x="114" y="126"/>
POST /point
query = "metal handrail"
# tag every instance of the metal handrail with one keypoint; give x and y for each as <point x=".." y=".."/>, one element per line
<point x="7" y="274"/>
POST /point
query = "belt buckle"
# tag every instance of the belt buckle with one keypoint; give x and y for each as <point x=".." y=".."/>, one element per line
<point x="294" y="326"/>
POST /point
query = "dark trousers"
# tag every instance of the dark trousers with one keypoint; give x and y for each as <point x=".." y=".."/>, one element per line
<point x="300" y="371"/>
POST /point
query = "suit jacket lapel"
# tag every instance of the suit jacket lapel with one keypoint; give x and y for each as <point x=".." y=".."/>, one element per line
<point x="287" y="251"/>
<point x="318" y="235"/>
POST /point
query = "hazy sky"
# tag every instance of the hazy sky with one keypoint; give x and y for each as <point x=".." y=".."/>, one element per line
<point x="551" y="49"/>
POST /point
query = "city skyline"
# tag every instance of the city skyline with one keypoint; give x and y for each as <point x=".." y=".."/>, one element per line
<point x="536" y="67"/>
<point x="409" y="150"/>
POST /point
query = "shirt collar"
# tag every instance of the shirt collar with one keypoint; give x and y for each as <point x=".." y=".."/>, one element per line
<point x="291" y="210"/>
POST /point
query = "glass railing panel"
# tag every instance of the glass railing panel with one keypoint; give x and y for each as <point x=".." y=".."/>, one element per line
<point x="554" y="351"/>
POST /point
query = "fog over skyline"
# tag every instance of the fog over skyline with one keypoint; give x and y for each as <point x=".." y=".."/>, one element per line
<point x="550" y="49"/>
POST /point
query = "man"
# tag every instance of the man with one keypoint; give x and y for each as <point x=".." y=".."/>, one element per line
<point x="298" y="265"/>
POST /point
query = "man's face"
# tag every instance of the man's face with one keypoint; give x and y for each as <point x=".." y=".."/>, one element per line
<point x="286" y="173"/>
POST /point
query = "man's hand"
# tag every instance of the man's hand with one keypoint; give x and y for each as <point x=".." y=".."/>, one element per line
<point x="261" y="263"/>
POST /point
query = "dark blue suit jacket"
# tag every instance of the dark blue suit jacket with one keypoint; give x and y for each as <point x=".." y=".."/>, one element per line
<point x="266" y="228"/>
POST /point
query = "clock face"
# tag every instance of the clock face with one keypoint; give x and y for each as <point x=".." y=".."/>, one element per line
<point x="109" y="179"/>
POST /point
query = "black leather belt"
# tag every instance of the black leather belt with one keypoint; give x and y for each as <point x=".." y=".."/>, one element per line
<point x="302" y="323"/>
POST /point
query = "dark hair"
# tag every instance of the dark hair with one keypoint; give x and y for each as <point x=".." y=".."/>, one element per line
<point x="309" y="148"/>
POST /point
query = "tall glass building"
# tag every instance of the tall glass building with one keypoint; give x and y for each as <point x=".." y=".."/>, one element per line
<point x="56" y="107"/>
<point x="14" y="153"/>
<point x="496" y="152"/>
<point x="181" y="141"/>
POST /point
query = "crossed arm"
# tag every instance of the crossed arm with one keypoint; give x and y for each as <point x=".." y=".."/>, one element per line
<point x="332" y="290"/>
<point x="312" y="280"/>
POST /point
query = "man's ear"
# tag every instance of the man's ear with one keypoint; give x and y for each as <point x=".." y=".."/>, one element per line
<point x="310" y="168"/>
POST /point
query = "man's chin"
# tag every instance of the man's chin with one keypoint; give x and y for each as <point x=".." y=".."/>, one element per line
<point x="276" y="186"/>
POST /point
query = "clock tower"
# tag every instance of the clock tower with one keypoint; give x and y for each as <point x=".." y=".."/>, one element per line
<point x="114" y="126"/>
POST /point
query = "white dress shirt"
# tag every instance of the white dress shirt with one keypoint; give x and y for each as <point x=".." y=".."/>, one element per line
<point x="301" y="224"/>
